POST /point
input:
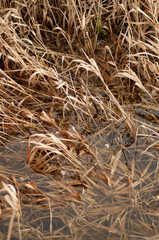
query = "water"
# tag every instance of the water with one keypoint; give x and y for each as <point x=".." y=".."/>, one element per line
<point x="123" y="205"/>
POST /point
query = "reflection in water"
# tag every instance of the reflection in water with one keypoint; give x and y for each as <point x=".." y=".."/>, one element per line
<point x="118" y="195"/>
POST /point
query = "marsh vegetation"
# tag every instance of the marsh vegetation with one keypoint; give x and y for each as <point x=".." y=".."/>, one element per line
<point x="79" y="119"/>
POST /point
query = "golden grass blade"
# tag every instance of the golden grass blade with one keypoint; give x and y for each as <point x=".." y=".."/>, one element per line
<point x="115" y="161"/>
<point x="131" y="75"/>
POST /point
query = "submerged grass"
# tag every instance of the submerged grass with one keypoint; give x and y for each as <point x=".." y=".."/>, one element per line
<point x="79" y="84"/>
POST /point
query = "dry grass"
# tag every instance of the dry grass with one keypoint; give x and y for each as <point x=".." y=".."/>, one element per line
<point x="79" y="85"/>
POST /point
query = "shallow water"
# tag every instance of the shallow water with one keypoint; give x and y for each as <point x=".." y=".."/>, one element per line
<point x="128" y="209"/>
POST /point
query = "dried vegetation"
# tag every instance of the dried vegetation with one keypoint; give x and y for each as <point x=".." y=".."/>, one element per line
<point x="79" y="86"/>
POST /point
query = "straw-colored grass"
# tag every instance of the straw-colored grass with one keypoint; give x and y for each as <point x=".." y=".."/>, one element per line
<point x="79" y="92"/>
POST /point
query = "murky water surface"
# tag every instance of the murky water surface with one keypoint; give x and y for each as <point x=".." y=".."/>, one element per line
<point x="124" y="208"/>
